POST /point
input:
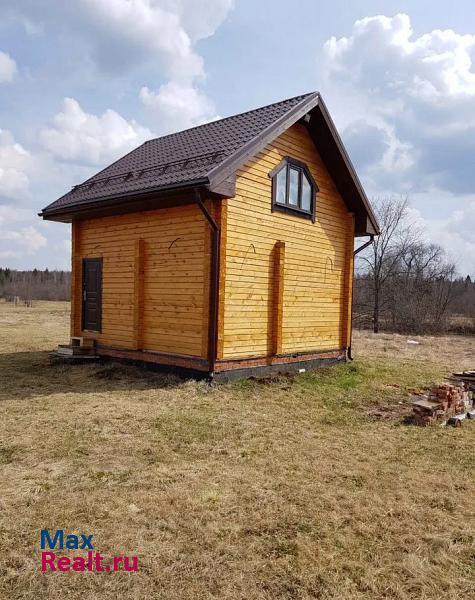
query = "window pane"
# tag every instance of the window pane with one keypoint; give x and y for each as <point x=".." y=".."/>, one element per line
<point x="294" y="187"/>
<point x="306" y="193"/>
<point x="280" y="182"/>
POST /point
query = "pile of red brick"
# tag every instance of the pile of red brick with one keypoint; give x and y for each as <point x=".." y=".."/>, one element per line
<point x="442" y="403"/>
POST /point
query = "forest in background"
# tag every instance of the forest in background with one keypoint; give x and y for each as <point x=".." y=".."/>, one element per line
<point x="27" y="286"/>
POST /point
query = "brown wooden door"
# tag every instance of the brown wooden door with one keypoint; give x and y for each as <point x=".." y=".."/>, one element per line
<point x="92" y="294"/>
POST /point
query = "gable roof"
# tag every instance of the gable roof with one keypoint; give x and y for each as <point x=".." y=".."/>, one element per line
<point x="208" y="155"/>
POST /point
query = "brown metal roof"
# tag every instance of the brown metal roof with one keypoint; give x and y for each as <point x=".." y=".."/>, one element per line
<point x="204" y="155"/>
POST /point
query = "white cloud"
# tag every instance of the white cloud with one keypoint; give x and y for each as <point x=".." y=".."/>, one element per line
<point x="456" y="235"/>
<point x="8" y="67"/>
<point x="20" y="238"/>
<point x="18" y="243"/>
<point x="134" y="29"/>
<point x="458" y="232"/>
<point x="13" y="214"/>
<point x="200" y="19"/>
<point x="177" y="107"/>
<point x="383" y="55"/>
<point x="411" y="128"/>
<point x="377" y="145"/>
<point x="157" y="37"/>
<point x="14" y="164"/>
<point x="121" y="33"/>
<point x="78" y="136"/>
<point x="420" y="88"/>
<point x="118" y="35"/>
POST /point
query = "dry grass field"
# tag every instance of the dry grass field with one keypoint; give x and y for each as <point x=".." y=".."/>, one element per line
<point x="301" y="488"/>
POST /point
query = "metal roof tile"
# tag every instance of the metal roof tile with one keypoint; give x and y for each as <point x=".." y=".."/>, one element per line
<point x="177" y="158"/>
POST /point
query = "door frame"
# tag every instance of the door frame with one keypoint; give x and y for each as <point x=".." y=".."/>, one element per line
<point x="98" y="260"/>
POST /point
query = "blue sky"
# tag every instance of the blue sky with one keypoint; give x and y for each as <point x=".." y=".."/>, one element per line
<point x="83" y="82"/>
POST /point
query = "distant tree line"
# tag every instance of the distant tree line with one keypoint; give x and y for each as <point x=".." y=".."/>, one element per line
<point x="26" y="286"/>
<point x="405" y="284"/>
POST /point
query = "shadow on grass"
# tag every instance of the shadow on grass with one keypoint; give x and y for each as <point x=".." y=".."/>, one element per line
<point x="30" y="374"/>
<point x="369" y="390"/>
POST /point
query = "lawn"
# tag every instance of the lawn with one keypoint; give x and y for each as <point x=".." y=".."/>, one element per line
<point x="310" y="487"/>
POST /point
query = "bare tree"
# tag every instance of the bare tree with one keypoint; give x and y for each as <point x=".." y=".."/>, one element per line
<point x="421" y="289"/>
<point x="406" y="283"/>
<point x="383" y="258"/>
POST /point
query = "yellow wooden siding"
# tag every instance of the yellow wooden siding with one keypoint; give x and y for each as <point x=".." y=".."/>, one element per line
<point x="175" y="278"/>
<point x="316" y="268"/>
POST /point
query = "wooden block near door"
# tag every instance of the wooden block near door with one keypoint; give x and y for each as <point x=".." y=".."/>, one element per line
<point x="83" y="342"/>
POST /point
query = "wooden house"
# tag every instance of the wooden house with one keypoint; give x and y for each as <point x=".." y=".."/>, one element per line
<point x="224" y="249"/>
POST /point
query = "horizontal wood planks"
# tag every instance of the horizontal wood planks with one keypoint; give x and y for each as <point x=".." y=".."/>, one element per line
<point x="155" y="278"/>
<point x="315" y="291"/>
<point x="285" y="282"/>
<point x="346" y="334"/>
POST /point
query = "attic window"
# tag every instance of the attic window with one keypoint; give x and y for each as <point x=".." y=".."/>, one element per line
<point x="293" y="188"/>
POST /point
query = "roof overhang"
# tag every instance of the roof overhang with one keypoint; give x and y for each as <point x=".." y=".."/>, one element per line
<point x="137" y="202"/>
<point x="220" y="180"/>
<point x="128" y="203"/>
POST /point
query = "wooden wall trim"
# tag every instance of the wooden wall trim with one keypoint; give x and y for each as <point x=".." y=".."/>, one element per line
<point x="349" y="279"/>
<point x="76" y="284"/>
<point x="139" y="274"/>
<point x="278" y="296"/>
<point x="213" y="278"/>
<point x="223" y="220"/>
<point x="208" y="234"/>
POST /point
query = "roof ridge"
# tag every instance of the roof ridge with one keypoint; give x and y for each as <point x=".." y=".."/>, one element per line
<point x="161" y="137"/>
<point x="271" y="127"/>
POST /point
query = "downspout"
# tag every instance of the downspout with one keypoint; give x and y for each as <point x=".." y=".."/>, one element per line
<point x="214" y="285"/>
<point x="357" y="251"/>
